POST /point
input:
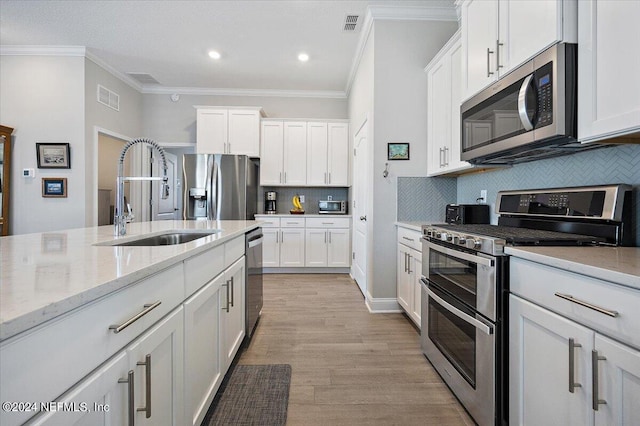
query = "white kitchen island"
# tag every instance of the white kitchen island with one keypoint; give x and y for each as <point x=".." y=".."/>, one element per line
<point x="79" y="320"/>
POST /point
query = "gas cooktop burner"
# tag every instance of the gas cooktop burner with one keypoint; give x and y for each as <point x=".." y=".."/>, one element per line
<point x="524" y="236"/>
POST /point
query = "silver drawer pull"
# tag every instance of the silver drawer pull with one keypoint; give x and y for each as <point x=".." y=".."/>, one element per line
<point x="570" y="298"/>
<point x="147" y="370"/>
<point x="408" y="239"/>
<point x="131" y="412"/>
<point x="572" y="359"/>
<point x="148" y="308"/>
<point x="596" y="401"/>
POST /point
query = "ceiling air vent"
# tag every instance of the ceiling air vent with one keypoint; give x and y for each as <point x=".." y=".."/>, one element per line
<point x="143" y="78"/>
<point x="108" y="98"/>
<point x="351" y="23"/>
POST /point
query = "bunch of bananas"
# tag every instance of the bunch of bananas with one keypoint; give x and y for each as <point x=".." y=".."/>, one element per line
<point x="297" y="205"/>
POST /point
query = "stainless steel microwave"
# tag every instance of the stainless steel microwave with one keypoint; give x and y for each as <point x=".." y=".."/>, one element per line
<point x="332" y="207"/>
<point x="527" y="115"/>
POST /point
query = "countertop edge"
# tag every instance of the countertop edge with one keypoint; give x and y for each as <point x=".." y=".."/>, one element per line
<point x="14" y="326"/>
<point x="414" y="226"/>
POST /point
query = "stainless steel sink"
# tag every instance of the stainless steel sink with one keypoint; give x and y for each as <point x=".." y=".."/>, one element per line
<point x="166" y="239"/>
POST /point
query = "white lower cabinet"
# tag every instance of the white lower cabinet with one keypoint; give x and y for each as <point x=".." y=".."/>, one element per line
<point x="232" y="312"/>
<point x="327" y="242"/>
<point x="409" y="272"/>
<point x="271" y="247"/>
<point x="563" y="369"/>
<point x="155" y="364"/>
<point x="292" y="247"/>
<point x="202" y="350"/>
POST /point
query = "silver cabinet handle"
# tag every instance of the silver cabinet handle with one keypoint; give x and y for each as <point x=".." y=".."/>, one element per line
<point x="407" y="238"/>
<point x="457" y="312"/>
<point x="329" y="177"/>
<point x="232" y="291"/>
<point x="570" y="298"/>
<point x="406" y="266"/>
<point x="131" y="412"/>
<point x="280" y="178"/>
<point x="498" y="44"/>
<point x="572" y="383"/>
<point x="325" y="237"/>
<point x="594" y="373"/>
<point x="489" y="52"/>
<point x="329" y="237"/>
<point x="147" y="371"/>
<point x="226" y="308"/>
<point x="440" y="155"/>
<point x="327" y="223"/>
<point x="446" y="161"/>
<point x="325" y="177"/>
<point x="148" y="308"/>
<point x="285" y="177"/>
<point x="409" y="257"/>
<point x="522" y="104"/>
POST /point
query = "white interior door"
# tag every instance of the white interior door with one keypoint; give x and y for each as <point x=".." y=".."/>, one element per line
<point x="360" y="207"/>
<point x="165" y="209"/>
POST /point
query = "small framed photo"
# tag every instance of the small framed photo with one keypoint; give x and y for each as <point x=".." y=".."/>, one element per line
<point x="398" y="151"/>
<point x="54" y="187"/>
<point x="53" y="155"/>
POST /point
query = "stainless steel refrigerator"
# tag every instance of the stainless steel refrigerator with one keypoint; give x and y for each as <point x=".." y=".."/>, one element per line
<point x="219" y="187"/>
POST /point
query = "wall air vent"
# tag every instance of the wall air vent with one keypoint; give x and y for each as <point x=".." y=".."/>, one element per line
<point x="143" y="78"/>
<point x="351" y="23"/>
<point x="108" y="97"/>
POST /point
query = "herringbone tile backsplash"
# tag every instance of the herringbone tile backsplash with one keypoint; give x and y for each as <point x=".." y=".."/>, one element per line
<point x="424" y="199"/>
<point x="616" y="164"/>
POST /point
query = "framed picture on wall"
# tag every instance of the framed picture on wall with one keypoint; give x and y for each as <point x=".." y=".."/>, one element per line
<point x="54" y="187"/>
<point x="53" y="155"/>
<point x="398" y="151"/>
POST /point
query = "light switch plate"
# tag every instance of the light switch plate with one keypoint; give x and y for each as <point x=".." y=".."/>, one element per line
<point x="28" y="173"/>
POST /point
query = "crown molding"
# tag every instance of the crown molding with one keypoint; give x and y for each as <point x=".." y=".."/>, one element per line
<point x="381" y="12"/>
<point x="327" y="94"/>
<point x="9" y="50"/>
<point x="121" y="76"/>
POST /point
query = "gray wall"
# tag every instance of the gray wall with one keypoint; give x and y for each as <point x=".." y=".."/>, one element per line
<point x="402" y="50"/>
<point x="175" y="122"/>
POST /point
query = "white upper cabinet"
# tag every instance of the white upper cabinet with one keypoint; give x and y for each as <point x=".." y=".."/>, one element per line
<point x="500" y="35"/>
<point x="221" y="130"/>
<point x="327" y="154"/>
<point x="609" y="66"/>
<point x="271" y="159"/>
<point x="443" y="110"/>
<point x="295" y="153"/>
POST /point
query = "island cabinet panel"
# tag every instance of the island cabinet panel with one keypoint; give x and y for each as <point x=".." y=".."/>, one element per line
<point x="40" y="365"/>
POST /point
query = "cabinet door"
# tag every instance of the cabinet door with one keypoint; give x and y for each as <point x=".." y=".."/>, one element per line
<point x="479" y="35"/>
<point x="438" y="113"/>
<point x="211" y="131"/>
<point x="518" y="21"/>
<point x="539" y="367"/>
<point x="159" y="387"/>
<point x="609" y="64"/>
<point x="271" y="247"/>
<point x="317" y="150"/>
<point x="272" y="151"/>
<point x="295" y="153"/>
<point x="202" y="350"/>
<point x="416" y="297"/>
<point x="316" y="247"/>
<point x="100" y="398"/>
<point x="232" y="311"/>
<point x="338" y="161"/>
<point x="339" y="248"/>
<point x="619" y="383"/>
<point x="455" y="72"/>
<point x="403" y="284"/>
<point x="292" y="247"/>
<point x="244" y="133"/>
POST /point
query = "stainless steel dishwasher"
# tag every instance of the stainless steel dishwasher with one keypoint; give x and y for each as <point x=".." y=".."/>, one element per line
<point x="253" y="247"/>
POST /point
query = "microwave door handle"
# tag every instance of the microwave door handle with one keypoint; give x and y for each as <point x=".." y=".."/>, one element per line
<point x="457" y="312"/>
<point x="522" y="104"/>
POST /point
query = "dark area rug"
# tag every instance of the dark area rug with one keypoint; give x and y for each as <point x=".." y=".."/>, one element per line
<point x="252" y="395"/>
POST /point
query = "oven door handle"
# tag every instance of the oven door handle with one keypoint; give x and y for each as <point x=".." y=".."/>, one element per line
<point x="457" y="312"/>
<point x="460" y="254"/>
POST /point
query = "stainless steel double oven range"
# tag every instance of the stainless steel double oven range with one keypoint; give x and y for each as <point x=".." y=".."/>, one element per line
<point x="465" y="282"/>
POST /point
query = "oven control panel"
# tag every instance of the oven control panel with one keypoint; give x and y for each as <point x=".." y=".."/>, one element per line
<point x="483" y="244"/>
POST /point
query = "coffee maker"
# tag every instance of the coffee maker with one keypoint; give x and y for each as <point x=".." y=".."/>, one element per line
<point x="270" y="206"/>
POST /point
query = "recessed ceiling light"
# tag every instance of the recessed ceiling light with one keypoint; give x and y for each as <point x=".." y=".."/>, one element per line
<point x="303" y="57"/>
<point x="214" y="55"/>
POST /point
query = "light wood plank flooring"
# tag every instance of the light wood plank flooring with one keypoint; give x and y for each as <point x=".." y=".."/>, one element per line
<point x="348" y="366"/>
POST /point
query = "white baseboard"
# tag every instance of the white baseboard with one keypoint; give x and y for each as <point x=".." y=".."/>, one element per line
<point x="383" y="305"/>
<point x="305" y="270"/>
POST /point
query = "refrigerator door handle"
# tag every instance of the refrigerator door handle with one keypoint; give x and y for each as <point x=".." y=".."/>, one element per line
<point x="218" y="191"/>
<point x="210" y="187"/>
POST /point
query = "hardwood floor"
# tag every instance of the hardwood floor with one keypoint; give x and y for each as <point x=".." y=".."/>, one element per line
<point x="348" y="366"/>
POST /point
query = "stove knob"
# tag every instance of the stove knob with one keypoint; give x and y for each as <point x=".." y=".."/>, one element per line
<point x="477" y="244"/>
<point x="462" y="241"/>
<point x="449" y="237"/>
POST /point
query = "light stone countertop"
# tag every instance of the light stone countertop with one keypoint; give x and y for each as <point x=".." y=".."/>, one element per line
<point x="414" y="226"/>
<point x="266" y="216"/>
<point x="620" y="265"/>
<point x="44" y="275"/>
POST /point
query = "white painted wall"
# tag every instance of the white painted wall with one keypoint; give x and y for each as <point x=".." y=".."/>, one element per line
<point x="42" y="98"/>
<point x="401" y="50"/>
<point x="175" y="122"/>
<point x="126" y="122"/>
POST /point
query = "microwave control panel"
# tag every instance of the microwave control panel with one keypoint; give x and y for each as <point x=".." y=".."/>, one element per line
<point x="544" y="84"/>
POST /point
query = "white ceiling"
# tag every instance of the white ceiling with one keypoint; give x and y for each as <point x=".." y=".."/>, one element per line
<point x="259" y="40"/>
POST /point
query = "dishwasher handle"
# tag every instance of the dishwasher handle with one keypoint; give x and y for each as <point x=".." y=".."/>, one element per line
<point x="255" y="241"/>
